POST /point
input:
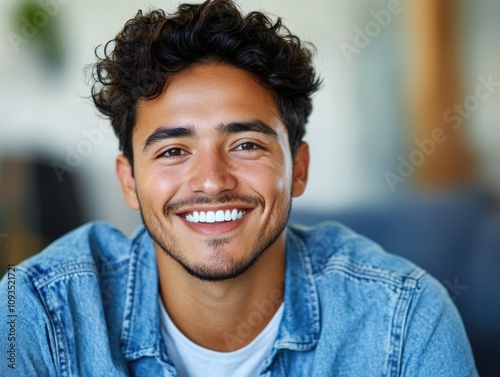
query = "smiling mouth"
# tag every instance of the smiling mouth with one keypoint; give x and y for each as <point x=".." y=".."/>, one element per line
<point x="215" y="216"/>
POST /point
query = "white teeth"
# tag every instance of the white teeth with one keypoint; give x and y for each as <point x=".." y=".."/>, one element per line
<point x="234" y="214"/>
<point x="210" y="216"/>
<point x="219" y="216"/>
<point x="214" y="216"/>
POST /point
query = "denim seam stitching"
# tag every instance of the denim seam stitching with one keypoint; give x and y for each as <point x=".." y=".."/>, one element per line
<point x="129" y="301"/>
<point x="363" y="272"/>
<point x="55" y="321"/>
<point x="397" y="328"/>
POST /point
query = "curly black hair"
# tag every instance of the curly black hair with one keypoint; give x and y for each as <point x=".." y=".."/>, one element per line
<point x="154" y="46"/>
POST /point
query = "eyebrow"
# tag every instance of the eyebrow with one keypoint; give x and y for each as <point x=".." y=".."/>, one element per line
<point x="163" y="133"/>
<point x="252" y="126"/>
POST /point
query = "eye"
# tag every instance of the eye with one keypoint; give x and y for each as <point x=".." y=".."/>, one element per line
<point x="247" y="146"/>
<point x="174" y="152"/>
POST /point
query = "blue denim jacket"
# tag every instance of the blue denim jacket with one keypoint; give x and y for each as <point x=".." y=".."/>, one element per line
<point x="88" y="306"/>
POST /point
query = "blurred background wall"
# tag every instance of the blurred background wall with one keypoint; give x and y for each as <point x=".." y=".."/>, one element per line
<point x="405" y="133"/>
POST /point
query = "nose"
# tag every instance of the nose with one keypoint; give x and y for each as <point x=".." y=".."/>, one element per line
<point x="211" y="174"/>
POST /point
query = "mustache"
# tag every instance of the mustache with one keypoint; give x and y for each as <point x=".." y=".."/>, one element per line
<point x="175" y="205"/>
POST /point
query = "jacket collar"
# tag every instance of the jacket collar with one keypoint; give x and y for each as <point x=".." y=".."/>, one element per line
<point x="299" y="328"/>
<point x="141" y="319"/>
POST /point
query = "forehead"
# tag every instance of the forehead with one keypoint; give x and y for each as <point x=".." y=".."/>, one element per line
<point x="207" y="96"/>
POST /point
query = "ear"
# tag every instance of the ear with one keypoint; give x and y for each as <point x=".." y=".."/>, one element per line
<point x="300" y="169"/>
<point x="127" y="181"/>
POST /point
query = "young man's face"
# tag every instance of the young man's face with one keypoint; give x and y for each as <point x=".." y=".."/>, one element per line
<point x="213" y="172"/>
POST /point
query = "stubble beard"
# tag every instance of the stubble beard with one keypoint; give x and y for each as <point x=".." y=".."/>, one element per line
<point x="216" y="270"/>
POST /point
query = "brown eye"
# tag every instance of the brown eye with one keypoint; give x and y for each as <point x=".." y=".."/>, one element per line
<point x="248" y="146"/>
<point x="174" y="152"/>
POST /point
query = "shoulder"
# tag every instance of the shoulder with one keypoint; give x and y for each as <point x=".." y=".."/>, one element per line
<point x="95" y="246"/>
<point x="358" y="282"/>
<point x="334" y="247"/>
<point x="95" y="249"/>
<point x="59" y="290"/>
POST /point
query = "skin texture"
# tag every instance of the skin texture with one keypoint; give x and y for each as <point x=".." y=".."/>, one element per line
<point x="199" y="146"/>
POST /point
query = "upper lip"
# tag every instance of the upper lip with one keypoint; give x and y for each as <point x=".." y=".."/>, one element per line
<point x="215" y="208"/>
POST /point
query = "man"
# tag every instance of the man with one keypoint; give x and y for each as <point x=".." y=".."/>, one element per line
<point x="209" y="107"/>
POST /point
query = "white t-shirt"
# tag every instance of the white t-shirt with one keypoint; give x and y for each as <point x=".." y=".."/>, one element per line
<point x="192" y="360"/>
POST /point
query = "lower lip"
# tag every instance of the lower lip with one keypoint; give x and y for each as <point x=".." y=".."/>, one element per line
<point x="217" y="228"/>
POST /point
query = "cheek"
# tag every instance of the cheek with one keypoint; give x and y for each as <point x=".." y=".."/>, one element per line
<point x="282" y="176"/>
<point x="279" y="183"/>
<point x="268" y="180"/>
<point x="159" y="186"/>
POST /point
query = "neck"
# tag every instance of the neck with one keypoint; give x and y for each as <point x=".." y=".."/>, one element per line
<point x="228" y="315"/>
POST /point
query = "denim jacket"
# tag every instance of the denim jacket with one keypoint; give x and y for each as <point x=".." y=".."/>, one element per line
<point x="88" y="306"/>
